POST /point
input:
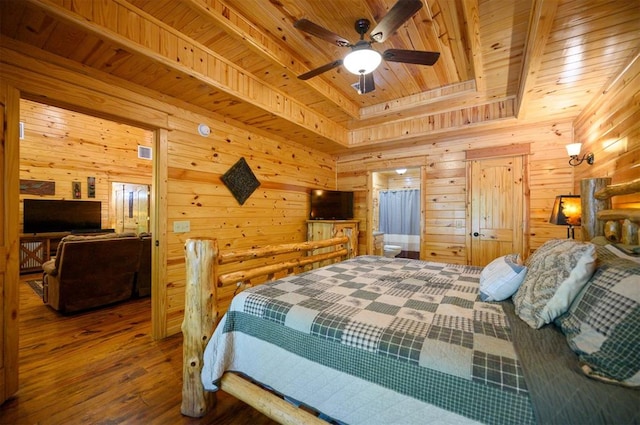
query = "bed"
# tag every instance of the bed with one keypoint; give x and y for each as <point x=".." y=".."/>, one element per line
<point x="379" y="340"/>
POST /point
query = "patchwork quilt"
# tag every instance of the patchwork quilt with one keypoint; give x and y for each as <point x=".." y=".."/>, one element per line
<point x="412" y="328"/>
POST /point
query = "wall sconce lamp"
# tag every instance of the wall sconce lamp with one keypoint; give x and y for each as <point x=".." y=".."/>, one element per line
<point x="567" y="211"/>
<point x="573" y="150"/>
<point x="401" y="171"/>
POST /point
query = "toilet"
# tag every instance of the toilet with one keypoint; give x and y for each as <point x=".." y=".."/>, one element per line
<point x="391" y="251"/>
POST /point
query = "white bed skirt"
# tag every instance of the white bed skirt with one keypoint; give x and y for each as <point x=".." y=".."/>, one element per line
<point x="341" y="396"/>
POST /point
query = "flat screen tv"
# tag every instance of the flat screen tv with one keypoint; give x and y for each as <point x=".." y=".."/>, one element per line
<point x="331" y="205"/>
<point x="54" y="215"/>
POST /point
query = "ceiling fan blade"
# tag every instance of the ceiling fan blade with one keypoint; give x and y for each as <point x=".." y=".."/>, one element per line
<point x="366" y="84"/>
<point x="418" y="57"/>
<point x="397" y="15"/>
<point x="320" y="32"/>
<point x="320" y="70"/>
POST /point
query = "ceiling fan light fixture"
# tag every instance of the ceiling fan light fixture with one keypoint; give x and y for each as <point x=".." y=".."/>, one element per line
<point x="362" y="61"/>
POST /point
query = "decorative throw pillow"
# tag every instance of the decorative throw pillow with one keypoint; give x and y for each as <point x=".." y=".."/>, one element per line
<point x="501" y="278"/>
<point x="603" y="324"/>
<point x="557" y="272"/>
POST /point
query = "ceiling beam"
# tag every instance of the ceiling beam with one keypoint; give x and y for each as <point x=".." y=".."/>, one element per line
<point x="434" y="123"/>
<point x="213" y="70"/>
<point x="262" y="43"/>
<point x="541" y="19"/>
<point x="417" y="100"/>
<point x="472" y="20"/>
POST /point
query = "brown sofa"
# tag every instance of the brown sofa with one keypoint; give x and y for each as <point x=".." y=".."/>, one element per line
<point x="92" y="271"/>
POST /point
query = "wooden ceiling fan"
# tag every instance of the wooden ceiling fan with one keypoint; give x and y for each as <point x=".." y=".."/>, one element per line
<point x="362" y="60"/>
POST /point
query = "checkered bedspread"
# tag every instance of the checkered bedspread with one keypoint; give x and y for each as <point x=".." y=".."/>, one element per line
<point x="417" y="328"/>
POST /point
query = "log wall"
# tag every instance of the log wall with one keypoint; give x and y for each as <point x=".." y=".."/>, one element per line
<point x="63" y="147"/>
<point x="610" y="128"/>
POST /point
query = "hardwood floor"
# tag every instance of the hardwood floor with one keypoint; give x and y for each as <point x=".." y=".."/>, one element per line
<point x="102" y="367"/>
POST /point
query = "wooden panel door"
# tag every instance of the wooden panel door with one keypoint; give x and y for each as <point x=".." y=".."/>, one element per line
<point x="497" y="205"/>
<point x="9" y="264"/>
<point x="130" y="207"/>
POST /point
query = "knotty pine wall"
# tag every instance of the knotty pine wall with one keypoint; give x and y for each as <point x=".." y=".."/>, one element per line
<point x="610" y="128"/>
<point x="444" y="170"/>
<point x="275" y="213"/>
<point x="63" y="147"/>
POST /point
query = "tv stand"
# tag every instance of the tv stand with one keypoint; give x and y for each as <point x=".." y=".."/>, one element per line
<point x="325" y="229"/>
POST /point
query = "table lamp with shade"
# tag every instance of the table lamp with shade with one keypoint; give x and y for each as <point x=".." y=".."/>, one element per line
<point x="567" y="211"/>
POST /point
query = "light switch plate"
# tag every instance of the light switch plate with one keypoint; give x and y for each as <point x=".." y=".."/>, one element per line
<point x="181" y="226"/>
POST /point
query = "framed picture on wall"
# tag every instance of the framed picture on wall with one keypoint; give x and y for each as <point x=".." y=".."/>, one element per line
<point x="76" y="190"/>
<point x="91" y="187"/>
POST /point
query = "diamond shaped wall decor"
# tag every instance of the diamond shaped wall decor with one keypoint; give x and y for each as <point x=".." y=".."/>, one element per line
<point x="240" y="180"/>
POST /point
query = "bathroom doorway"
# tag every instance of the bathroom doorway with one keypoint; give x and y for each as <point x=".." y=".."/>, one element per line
<point x="397" y="211"/>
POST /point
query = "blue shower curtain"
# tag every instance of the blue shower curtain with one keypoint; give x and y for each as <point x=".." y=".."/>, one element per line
<point x="400" y="212"/>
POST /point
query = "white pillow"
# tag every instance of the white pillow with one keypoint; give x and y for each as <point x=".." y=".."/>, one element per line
<point x="501" y="278"/>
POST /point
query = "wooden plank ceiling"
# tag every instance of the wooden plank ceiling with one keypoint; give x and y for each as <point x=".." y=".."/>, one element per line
<point x="501" y="61"/>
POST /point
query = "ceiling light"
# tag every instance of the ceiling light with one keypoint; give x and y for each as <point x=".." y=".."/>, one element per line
<point x="362" y="59"/>
<point x="401" y="171"/>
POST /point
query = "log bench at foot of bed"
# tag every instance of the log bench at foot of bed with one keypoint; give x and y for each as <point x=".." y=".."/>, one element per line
<point x="202" y="312"/>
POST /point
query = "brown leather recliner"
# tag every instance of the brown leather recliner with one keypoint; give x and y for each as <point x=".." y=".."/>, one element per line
<point x="91" y="271"/>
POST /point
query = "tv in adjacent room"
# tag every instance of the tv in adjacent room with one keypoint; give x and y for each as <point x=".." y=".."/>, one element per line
<point x="54" y="215"/>
<point x="331" y="205"/>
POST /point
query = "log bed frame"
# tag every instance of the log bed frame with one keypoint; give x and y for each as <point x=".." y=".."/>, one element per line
<point x="599" y="219"/>
<point x="202" y="312"/>
<point x="202" y="309"/>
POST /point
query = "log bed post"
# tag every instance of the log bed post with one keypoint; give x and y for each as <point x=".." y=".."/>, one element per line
<point x="200" y="317"/>
<point x="591" y="226"/>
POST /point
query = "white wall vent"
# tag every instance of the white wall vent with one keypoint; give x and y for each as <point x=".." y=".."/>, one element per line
<point x="144" y="152"/>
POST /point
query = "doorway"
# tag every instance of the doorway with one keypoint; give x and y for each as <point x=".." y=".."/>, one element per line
<point x="397" y="211"/>
<point x="11" y="108"/>
<point x="75" y="156"/>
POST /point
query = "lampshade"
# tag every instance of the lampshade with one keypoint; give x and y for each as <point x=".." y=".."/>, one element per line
<point x="362" y="61"/>
<point x="573" y="149"/>
<point x="567" y="210"/>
